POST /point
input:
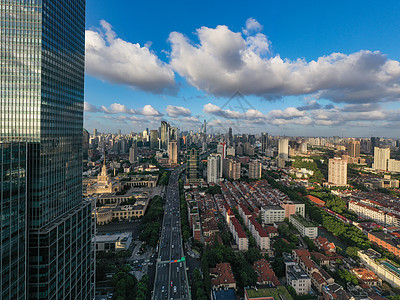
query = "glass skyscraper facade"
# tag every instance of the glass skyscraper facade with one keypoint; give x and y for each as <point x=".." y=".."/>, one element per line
<point x="13" y="221"/>
<point x="192" y="165"/>
<point x="42" y="45"/>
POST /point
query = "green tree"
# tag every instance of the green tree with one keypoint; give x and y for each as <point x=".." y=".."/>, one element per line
<point x="352" y="251"/>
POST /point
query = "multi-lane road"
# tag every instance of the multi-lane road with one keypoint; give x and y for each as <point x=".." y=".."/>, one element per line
<point x="171" y="278"/>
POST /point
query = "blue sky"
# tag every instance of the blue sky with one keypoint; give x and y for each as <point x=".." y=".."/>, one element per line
<point x="304" y="67"/>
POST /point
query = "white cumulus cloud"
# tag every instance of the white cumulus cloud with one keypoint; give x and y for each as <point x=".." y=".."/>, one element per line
<point x="224" y="62"/>
<point x="117" y="61"/>
<point x="177" y="111"/>
<point x="90" y="108"/>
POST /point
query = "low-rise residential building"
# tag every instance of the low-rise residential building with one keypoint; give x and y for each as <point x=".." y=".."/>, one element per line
<point x="239" y="235"/>
<point x="367" y="276"/>
<point x="266" y="275"/>
<point x="259" y="234"/>
<point x="113" y="242"/>
<point x="275" y="293"/>
<point x="308" y="265"/>
<point x="271" y="231"/>
<point x="318" y="281"/>
<point x="324" y="245"/>
<point x="305" y="227"/>
<point x="321" y="258"/>
<point x="334" y="291"/>
<point x="293" y="208"/>
<point x="298" y="253"/>
<point x="377" y="214"/>
<point x="385" y="240"/>
<point x="272" y="214"/>
<point x="222" y="276"/>
<point x="298" y="279"/>
<point x="244" y="212"/>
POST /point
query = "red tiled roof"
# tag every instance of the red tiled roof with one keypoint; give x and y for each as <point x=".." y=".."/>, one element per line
<point x="238" y="228"/>
<point x="271" y="229"/>
<point x="302" y="252"/>
<point x="318" y="278"/>
<point x="265" y="272"/>
<point x="245" y="209"/>
<point x="319" y="256"/>
<point x="224" y="274"/>
<point x="258" y="227"/>
<point x="308" y="262"/>
<point x="316" y="200"/>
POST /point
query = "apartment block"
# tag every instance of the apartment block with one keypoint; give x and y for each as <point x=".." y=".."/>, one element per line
<point x="244" y="212"/>
<point x="305" y="227"/>
<point x="259" y="234"/>
<point x="298" y="279"/>
<point x="239" y="235"/>
<point x="255" y="168"/>
<point x="337" y="172"/>
<point x="376" y="214"/>
<point x="272" y="214"/>
<point x="292" y="208"/>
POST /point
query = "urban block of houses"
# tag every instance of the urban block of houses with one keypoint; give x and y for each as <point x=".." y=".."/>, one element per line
<point x="367" y="277"/>
<point x="266" y="275"/>
<point x="324" y="245"/>
<point x="222" y="276"/>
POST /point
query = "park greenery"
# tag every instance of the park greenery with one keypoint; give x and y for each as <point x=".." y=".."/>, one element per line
<point x="241" y="263"/>
<point x="344" y="277"/>
<point x="199" y="293"/>
<point x="186" y="232"/>
<point x="164" y="178"/>
<point x="150" y="226"/>
<point x="125" y="284"/>
<point x="334" y="203"/>
<point x="213" y="190"/>
<point x="142" y="288"/>
<point x="349" y="234"/>
<point x="309" y="165"/>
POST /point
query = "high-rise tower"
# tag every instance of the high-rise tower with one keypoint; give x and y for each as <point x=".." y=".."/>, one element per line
<point x="42" y="76"/>
<point x="164" y="135"/>
<point x="353" y="148"/>
<point x="264" y="142"/>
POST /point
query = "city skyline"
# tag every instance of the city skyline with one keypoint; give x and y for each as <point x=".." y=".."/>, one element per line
<point x="347" y="83"/>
